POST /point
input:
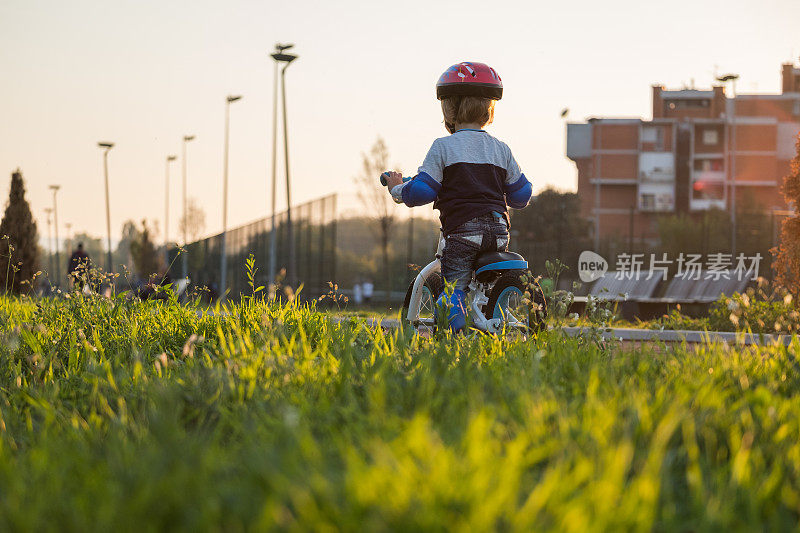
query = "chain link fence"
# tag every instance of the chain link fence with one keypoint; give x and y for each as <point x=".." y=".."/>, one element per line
<point x="314" y="236"/>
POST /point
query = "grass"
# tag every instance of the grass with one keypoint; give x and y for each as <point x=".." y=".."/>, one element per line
<point x="125" y="415"/>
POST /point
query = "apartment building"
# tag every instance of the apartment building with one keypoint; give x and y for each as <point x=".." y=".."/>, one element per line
<point x="700" y="150"/>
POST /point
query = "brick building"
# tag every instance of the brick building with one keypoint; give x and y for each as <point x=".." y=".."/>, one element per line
<point x="683" y="159"/>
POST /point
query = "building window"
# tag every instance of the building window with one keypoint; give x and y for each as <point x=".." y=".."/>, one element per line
<point x="708" y="190"/>
<point x="656" y="201"/>
<point x="710" y="137"/>
<point x="652" y="139"/>
<point x="705" y="165"/>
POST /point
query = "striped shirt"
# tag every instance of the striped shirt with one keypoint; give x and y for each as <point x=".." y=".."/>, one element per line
<point x="466" y="175"/>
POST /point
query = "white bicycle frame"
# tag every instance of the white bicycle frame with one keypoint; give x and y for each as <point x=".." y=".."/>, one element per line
<point x="476" y="297"/>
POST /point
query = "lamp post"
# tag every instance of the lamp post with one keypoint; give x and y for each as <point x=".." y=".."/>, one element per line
<point x="170" y="159"/>
<point x="49" y="211"/>
<point x="68" y="225"/>
<point x="107" y="146"/>
<point x="185" y="262"/>
<point x="55" y="188"/>
<point x="224" y="249"/>
<point x="280" y="56"/>
<point x="596" y="174"/>
<point x="732" y="153"/>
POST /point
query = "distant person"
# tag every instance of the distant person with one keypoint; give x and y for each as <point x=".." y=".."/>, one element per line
<point x="367" y="288"/>
<point x="78" y="267"/>
<point x="358" y="295"/>
<point x="471" y="177"/>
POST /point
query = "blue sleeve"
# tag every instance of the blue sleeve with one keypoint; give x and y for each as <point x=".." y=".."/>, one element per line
<point x="421" y="190"/>
<point x="518" y="194"/>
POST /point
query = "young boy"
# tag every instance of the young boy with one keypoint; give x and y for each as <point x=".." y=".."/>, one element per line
<point x="471" y="177"/>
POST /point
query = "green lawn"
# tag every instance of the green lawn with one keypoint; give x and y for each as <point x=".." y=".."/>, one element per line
<point x="131" y="416"/>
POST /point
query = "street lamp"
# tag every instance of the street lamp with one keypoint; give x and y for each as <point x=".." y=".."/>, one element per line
<point x="280" y="56"/>
<point x="107" y="146"/>
<point x="595" y="169"/>
<point x="224" y="249"/>
<point x="186" y="139"/>
<point x="68" y="225"/>
<point x="49" y="211"/>
<point x="732" y="155"/>
<point x="170" y="159"/>
<point x="55" y="188"/>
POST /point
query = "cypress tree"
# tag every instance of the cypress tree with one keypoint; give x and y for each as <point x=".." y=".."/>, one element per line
<point x="19" y="241"/>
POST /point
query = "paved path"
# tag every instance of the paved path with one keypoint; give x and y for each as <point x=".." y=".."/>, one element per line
<point x="635" y="335"/>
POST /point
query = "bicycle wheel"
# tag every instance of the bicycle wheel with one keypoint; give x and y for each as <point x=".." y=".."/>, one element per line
<point x="507" y="302"/>
<point x="432" y="288"/>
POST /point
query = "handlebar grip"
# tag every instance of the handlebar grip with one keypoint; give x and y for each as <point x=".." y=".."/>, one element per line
<point x="385" y="175"/>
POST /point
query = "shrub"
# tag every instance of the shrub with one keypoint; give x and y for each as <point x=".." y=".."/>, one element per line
<point x="761" y="309"/>
<point x="787" y="254"/>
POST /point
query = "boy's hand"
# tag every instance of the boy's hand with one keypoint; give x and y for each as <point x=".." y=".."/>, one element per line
<point x="393" y="179"/>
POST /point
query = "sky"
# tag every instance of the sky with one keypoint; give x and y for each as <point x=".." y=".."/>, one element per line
<point x="144" y="73"/>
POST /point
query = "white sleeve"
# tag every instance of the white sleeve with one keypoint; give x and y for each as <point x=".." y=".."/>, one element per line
<point x="433" y="165"/>
<point x="431" y="172"/>
<point x="397" y="193"/>
<point x="513" y="171"/>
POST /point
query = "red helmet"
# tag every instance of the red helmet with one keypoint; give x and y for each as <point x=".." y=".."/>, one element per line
<point x="470" y="79"/>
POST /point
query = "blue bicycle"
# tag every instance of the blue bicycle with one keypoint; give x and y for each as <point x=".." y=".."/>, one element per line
<point x="502" y="293"/>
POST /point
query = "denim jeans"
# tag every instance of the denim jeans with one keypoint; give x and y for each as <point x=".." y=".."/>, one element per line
<point x="486" y="233"/>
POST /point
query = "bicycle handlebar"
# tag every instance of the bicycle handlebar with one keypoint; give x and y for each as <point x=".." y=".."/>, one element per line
<point x="386" y="174"/>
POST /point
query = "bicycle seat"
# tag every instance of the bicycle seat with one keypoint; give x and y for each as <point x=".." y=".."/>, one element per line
<point x="490" y="263"/>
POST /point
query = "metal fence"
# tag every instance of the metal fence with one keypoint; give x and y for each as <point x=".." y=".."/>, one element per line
<point x="318" y="250"/>
<point x="314" y="236"/>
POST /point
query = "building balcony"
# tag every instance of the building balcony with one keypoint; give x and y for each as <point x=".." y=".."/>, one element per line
<point x="657" y="176"/>
<point x="613" y="181"/>
<point x="715" y="176"/>
<point x="703" y="204"/>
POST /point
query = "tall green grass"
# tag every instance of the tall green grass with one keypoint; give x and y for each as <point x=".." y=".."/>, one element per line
<point x="117" y="414"/>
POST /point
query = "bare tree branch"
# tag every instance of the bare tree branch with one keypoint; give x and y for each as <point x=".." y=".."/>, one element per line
<point x="375" y="199"/>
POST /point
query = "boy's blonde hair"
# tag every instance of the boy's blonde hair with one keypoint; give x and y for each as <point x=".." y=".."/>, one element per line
<point x="468" y="110"/>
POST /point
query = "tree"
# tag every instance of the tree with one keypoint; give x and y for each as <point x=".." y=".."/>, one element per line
<point x="145" y="258"/>
<point x="193" y="223"/>
<point x="787" y="254"/>
<point x="701" y="233"/>
<point x="551" y="227"/>
<point x="378" y="206"/>
<point x="19" y="251"/>
<point x="122" y="255"/>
